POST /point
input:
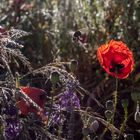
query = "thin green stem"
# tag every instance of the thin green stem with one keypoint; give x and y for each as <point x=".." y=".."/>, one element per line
<point x="125" y="120"/>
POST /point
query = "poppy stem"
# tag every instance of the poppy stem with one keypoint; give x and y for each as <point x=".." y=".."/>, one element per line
<point x="123" y="125"/>
<point x="115" y="96"/>
<point x="115" y="106"/>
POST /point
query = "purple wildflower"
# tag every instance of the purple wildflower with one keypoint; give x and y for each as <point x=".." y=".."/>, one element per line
<point x="56" y="116"/>
<point x="69" y="100"/>
<point x="10" y="110"/>
<point x="12" y="128"/>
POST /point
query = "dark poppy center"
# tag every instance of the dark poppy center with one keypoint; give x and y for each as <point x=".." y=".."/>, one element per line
<point x="116" y="67"/>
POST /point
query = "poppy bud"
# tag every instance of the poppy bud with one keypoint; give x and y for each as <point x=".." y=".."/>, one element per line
<point x="73" y="65"/>
<point x="125" y="103"/>
<point x="94" y="126"/>
<point x="54" y="77"/>
<point x="137" y="117"/>
<point x="129" y="137"/>
<point x="135" y="96"/>
<point x="109" y="105"/>
<point x="108" y="114"/>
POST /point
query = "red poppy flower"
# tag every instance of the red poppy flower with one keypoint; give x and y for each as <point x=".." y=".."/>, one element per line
<point x="37" y="95"/>
<point x="116" y="58"/>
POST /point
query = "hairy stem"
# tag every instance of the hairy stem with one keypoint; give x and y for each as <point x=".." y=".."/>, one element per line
<point x="115" y="106"/>
<point x="125" y="120"/>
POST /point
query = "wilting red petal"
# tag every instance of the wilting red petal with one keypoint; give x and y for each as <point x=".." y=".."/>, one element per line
<point x="3" y="31"/>
<point x="115" y="54"/>
<point x="36" y="95"/>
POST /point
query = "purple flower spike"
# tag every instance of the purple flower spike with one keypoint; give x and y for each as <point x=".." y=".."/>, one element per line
<point x="56" y="116"/>
<point x="69" y="100"/>
<point x="12" y="128"/>
<point x="10" y="110"/>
